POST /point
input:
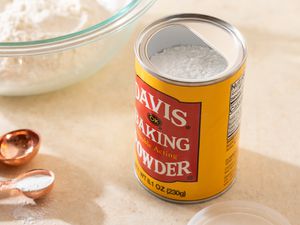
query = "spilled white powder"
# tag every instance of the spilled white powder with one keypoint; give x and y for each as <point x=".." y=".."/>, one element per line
<point x="34" y="183"/>
<point x="189" y="62"/>
<point x="24" y="210"/>
<point x="18" y="200"/>
<point x="29" y="215"/>
<point x="25" y="20"/>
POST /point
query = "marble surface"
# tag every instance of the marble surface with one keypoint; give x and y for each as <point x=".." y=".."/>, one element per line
<point x="88" y="129"/>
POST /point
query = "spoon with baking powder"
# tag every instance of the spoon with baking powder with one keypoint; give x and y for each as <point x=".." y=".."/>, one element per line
<point x="18" y="147"/>
<point x="33" y="184"/>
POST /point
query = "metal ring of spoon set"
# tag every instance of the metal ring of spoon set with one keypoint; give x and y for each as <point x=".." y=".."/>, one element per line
<point x="18" y="148"/>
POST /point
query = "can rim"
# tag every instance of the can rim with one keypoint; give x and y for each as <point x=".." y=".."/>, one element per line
<point x="196" y="17"/>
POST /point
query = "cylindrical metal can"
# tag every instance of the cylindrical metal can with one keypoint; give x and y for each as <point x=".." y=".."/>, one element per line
<point x="187" y="131"/>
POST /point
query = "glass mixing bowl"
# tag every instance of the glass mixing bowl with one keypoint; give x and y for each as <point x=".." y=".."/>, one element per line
<point x="41" y="66"/>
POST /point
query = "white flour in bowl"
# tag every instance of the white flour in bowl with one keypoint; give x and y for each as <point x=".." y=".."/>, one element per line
<point x="25" y="20"/>
<point x="189" y="62"/>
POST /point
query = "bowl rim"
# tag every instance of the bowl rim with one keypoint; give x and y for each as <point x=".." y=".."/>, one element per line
<point x="119" y="20"/>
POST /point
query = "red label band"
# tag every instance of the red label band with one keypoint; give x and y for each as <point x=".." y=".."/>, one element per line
<point x="168" y="135"/>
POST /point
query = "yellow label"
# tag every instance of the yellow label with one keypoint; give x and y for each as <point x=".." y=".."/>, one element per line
<point x="170" y="160"/>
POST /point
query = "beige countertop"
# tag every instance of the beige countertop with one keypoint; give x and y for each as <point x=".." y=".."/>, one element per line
<point x="88" y="129"/>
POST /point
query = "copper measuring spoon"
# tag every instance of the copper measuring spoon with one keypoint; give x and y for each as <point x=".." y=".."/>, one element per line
<point x="18" y="147"/>
<point x="33" y="184"/>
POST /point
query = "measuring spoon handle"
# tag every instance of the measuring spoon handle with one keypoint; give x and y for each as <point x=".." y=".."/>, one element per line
<point x="5" y="185"/>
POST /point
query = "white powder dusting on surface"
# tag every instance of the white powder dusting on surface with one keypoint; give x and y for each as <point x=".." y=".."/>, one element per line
<point x="189" y="62"/>
<point x="24" y="210"/>
<point x="25" y="20"/>
<point x="34" y="183"/>
<point x="28" y="215"/>
<point x="19" y="200"/>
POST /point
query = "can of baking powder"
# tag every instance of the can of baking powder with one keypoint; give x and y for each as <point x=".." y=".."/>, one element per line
<point x="189" y="83"/>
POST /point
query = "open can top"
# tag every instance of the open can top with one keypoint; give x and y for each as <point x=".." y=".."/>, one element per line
<point x="192" y="29"/>
<point x="238" y="213"/>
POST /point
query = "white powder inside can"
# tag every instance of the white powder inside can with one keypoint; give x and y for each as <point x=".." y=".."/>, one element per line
<point x="189" y="62"/>
<point x="34" y="183"/>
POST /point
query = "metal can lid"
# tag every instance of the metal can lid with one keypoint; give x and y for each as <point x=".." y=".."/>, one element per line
<point x="238" y="213"/>
<point x="192" y="29"/>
